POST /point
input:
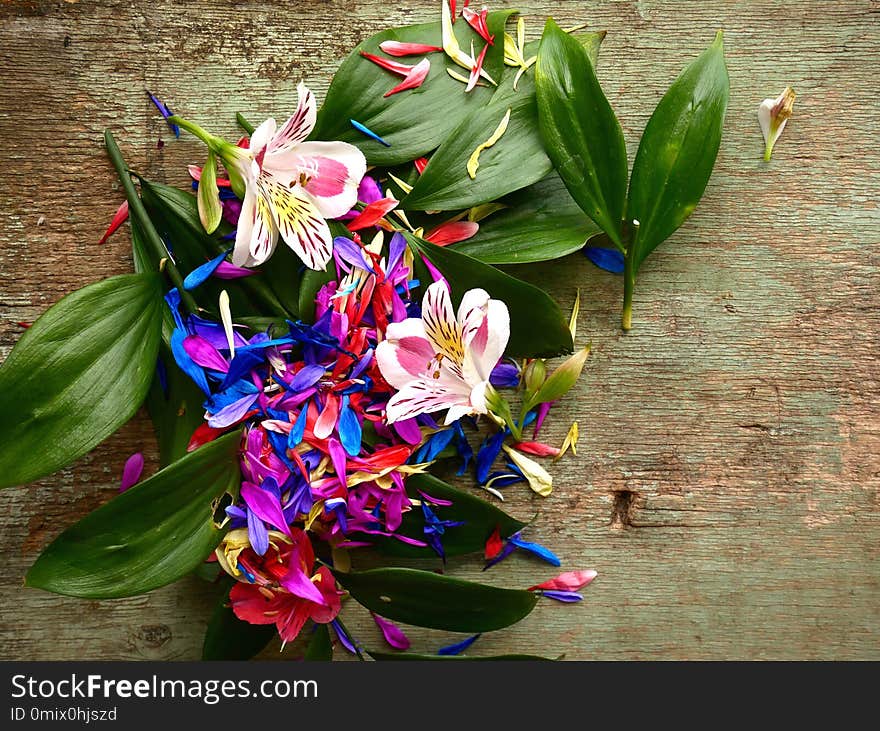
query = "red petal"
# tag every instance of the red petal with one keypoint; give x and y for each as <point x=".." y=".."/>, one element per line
<point x="398" y="48"/>
<point x="118" y="219"/>
<point x="414" y="78"/>
<point x="421" y="163"/>
<point x="477" y="21"/>
<point x="202" y="435"/>
<point x="195" y="172"/>
<point x="452" y="232"/>
<point x="394" y="67"/>
<point x="539" y="449"/>
<point x="373" y="213"/>
<point x="494" y="544"/>
<point x="568" y="581"/>
<point x="478" y="67"/>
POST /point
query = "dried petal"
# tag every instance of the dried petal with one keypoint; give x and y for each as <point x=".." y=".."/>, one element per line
<point x="473" y="162"/>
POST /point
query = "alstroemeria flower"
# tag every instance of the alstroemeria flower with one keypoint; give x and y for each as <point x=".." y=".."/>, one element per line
<point x="444" y="361"/>
<point x="291" y="187"/>
<point x="773" y="115"/>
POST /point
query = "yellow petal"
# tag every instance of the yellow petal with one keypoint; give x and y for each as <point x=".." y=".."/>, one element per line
<point x="474" y="160"/>
<point x="539" y="479"/>
<point x="572" y="323"/>
<point x="571" y="440"/>
<point x="226" y="319"/>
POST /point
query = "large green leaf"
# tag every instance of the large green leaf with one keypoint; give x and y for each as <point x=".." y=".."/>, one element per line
<point x="397" y="656"/>
<point x="540" y="222"/>
<point x="515" y="161"/>
<point x="413" y="122"/>
<point x="77" y="375"/>
<point x="581" y="134"/>
<point x="426" y="599"/>
<point x="537" y="326"/>
<point x="678" y="150"/>
<point x="229" y="638"/>
<point x="480" y="519"/>
<point x="150" y="535"/>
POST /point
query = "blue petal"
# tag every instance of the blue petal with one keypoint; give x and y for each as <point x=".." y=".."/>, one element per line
<point x="201" y="274"/>
<point x="611" y="260"/>
<point x="368" y="132"/>
<point x="298" y="428"/>
<point x="458" y="647"/>
<point x="349" y="429"/>
<point x="537" y="549"/>
<point x="186" y="364"/>
<point x="562" y="596"/>
<point x="487" y="454"/>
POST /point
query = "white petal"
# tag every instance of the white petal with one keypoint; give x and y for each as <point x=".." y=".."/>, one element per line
<point x="299" y="223"/>
<point x="423" y="397"/>
<point x="241" y="254"/>
<point x="441" y="327"/>
<point x="262" y="136"/>
<point x="404" y="360"/>
<point x="300" y="125"/>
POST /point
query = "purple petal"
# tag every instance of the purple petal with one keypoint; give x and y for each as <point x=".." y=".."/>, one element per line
<point x="543" y="410"/>
<point x="306" y="377"/>
<point x="434" y="271"/>
<point x="350" y="252"/>
<point x="257" y="533"/>
<point x="458" y="647"/>
<point x="393" y="635"/>
<point x="228" y="415"/>
<point x="204" y="354"/>
<point x="265" y="504"/>
<point x="562" y="596"/>
<point x="408" y="430"/>
<point x="396" y="247"/>
<point x="131" y="472"/>
<point x="298" y="584"/>
<point x="230" y="271"/>
<point x="337" y="457"/>
<point x="344" y="639"/>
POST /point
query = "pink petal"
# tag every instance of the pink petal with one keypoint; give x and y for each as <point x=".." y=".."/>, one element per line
<point x="393" y="635"/>
<point x="398" y="48"/>
<point x="477" y="69"/>
<point x="326" y="422"/>
<point x="452" y="232"/>
<point x="414" y="78"/>
<point x="338" y="458"/>
<point x="568" y="581"/>
<point x="298" y="584"/>
<point x="539" y="449"/>
<point x="195" y="172"/>
<point x="118" y="219"/>
<point x="131" y="472"/>
<point x="477" y="21"/>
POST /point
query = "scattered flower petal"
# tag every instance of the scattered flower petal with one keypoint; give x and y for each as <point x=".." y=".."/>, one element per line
<point x="473" y="162"/>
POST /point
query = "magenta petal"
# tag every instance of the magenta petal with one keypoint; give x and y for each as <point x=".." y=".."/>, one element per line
<point x="337" y="456"/>
<point x="131" y="472"/>
<point x="230" y="271"/>
<point x="298" y="584"/>
<point x="393" y="635"/>
<point x="543" y="410"/>
<point x="408" y="430"/>
<point x="204" y="354"/>
<point x="265" y="505"/>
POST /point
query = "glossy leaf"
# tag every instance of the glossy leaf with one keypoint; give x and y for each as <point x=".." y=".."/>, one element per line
<point x="537" y="326"/>
<point x="480" y="519"/>
<point x="581" y="134"/>
<point x="229" y="638"/>
<point x="517" y="160"/>
<point x="77" y="375"/>
<point x="320" y="648"/>
<point x="147" y="537"/>
<point x="539" y="223"/>
<point x="678" y="150"/>
<point x="426" y="599"/>
<point x="412" y="122"/>
<point x="404" y="656"/>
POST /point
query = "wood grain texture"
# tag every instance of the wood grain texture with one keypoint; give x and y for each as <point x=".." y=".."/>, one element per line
<point x="726" y="486"/>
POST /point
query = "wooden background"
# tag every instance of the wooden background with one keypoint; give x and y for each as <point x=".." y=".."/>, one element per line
<point x="726" y="486"/>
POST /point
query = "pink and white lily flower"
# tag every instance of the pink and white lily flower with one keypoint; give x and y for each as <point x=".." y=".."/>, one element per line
<point x="291" y="187"/>
<point x="443" y="360"/>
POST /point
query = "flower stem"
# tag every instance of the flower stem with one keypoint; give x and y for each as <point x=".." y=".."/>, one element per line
<point x="768" y="151"/>
<point x="629" y="283"/>
<point x="193" y="129"/>
<point x="141" y="217"/>
<point x="244" y="123"/>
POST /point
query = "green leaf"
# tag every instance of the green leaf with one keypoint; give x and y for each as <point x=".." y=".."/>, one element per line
<point x="320" y="648"/>
<point x="537" y="326"/>
<point x="229" y="638"/>
<point x="541" y="222"/>
<point x="147" y="537"/>
<point x="77" y="375"/>
<point x="413" y="122"/>
<point x="426" y="599"/>
<point x="581" y="134"/>
<point x="392" y="656"/>
<point x="480" y="519"/>
<point x="517" y="160"/>
<point x="678" y="150"/>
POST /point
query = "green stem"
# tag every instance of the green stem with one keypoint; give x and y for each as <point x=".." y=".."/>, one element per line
<point x="629" y="283"/>
<point x="140" y="215"/>
<point x="197" y="131"/>
<point x="244" y="124"/>
<point x="768" y="151"/>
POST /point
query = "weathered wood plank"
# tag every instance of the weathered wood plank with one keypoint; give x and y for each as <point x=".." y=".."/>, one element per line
<point x="727" y="482"/>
